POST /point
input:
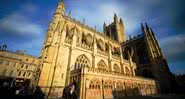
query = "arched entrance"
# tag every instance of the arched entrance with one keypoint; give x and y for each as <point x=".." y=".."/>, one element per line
<point x="77" y="74"/>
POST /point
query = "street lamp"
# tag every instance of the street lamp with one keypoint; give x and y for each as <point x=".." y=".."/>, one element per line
<point x="103" y="90"/>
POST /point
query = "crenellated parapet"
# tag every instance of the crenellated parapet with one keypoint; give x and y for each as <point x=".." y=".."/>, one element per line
<point x="83" y="25"/>
<point x="132" y="39"/>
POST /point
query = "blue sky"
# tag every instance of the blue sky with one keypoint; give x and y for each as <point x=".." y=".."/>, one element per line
<point x="23" y="23"/>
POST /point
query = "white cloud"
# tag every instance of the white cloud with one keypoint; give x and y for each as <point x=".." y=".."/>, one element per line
<point x="17" y="24"/>
<point x="174" y="47"/>
<point x="97" y="13"/>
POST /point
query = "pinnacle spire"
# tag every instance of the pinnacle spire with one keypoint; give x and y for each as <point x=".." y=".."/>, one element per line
<point x="115" y="15"/>
<point x="147" y="28"/>
<point x="121" y="21"/>
<point x="115" y="18"/>
<point x="60" y="8"/>
<point x="142" y="27"/>
<point x="62" y="1"/>
<point x="104" y="24"/>
<point x="152" y="31"/>
<point x="69" y="13"/>
<point x="83" y="20"/>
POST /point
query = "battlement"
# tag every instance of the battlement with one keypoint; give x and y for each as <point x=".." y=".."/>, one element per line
<point x="131" y="39"/>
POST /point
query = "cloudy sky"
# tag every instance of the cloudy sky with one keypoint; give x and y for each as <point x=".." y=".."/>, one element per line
<point x="23" y="23"/>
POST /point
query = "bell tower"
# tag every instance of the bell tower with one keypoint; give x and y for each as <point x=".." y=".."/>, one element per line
<point x="60" y="8"/>
<point x="120" y="29"/>
<point x="115" y="30"/>
<point x="53" y="71"/>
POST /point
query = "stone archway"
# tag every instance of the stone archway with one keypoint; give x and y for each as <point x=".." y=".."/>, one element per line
<point x="76" y="74"/>
<point x="116" y="68"/>
<point x="81" y="61"/>
<point x="102" y="65"/>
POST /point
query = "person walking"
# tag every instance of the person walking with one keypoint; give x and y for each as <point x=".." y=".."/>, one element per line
<point x="70" y="92"/>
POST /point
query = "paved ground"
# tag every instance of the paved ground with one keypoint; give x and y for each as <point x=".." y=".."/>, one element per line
<point x="165" y="96"/>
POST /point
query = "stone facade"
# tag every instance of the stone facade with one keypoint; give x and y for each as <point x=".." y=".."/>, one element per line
<point x="19" y="66"/>
<point x="145" y="51"/>
<point x="72" y="51"/>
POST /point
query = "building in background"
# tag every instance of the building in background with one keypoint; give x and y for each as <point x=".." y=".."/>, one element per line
<point x="73" y="51"/>
<point x="19" y="67"/>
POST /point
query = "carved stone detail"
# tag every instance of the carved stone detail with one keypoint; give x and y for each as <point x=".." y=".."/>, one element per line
<point x="89" y="40"/>
<point x="101" y="45"/>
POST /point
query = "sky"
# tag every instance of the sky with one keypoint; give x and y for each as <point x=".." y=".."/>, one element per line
<point x="23" y="23"/>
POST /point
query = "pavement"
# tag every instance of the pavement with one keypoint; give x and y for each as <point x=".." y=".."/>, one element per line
<point x="163" y="96"/>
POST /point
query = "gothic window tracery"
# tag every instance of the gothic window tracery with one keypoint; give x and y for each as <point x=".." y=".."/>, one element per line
<point x="89" y="40"/>
<point x="101" y="65"/>
<point x="116" y="68"/>
<point x="86" y="41"/>
<point x="79" y="35"/>
<point x="127" y="71"/>
<point x="83" y="37"/>
<point x="82" y="61"/>
<point x="100" y="45"/>
<point x="69" y="34"/>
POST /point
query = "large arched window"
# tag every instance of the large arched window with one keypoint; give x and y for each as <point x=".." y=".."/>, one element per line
<point x="81" y="61"/>
<point x="101" y="65"/>
<point x="116" y="68"/>
<point x="126" y="53"/>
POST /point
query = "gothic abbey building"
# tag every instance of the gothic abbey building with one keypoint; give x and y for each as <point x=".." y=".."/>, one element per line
<point x="104" y="65"/>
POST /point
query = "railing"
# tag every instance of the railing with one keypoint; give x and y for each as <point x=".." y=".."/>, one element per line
<point x="116" y="57"/>
<point x="126" y="61"/>
<point x="82" y="45"/>
<point x="96" y="70"/>
<point x="102" y="52"/>
<point x="101" y="71"/>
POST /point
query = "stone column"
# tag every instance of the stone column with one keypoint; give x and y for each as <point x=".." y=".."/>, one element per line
<point x="133" y="71"/>
<point x="94" y="51"/>
<point x="73" y="45"/>
<point x="110" y="57"/>
<point x="121" y="58"/>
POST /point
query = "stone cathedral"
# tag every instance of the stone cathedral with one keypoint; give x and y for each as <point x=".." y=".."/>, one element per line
<point x="104" y="65"/>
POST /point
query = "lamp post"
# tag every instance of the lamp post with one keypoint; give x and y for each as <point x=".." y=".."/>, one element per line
<point x="83" y="76"/>
<point x="103" y="90"/>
